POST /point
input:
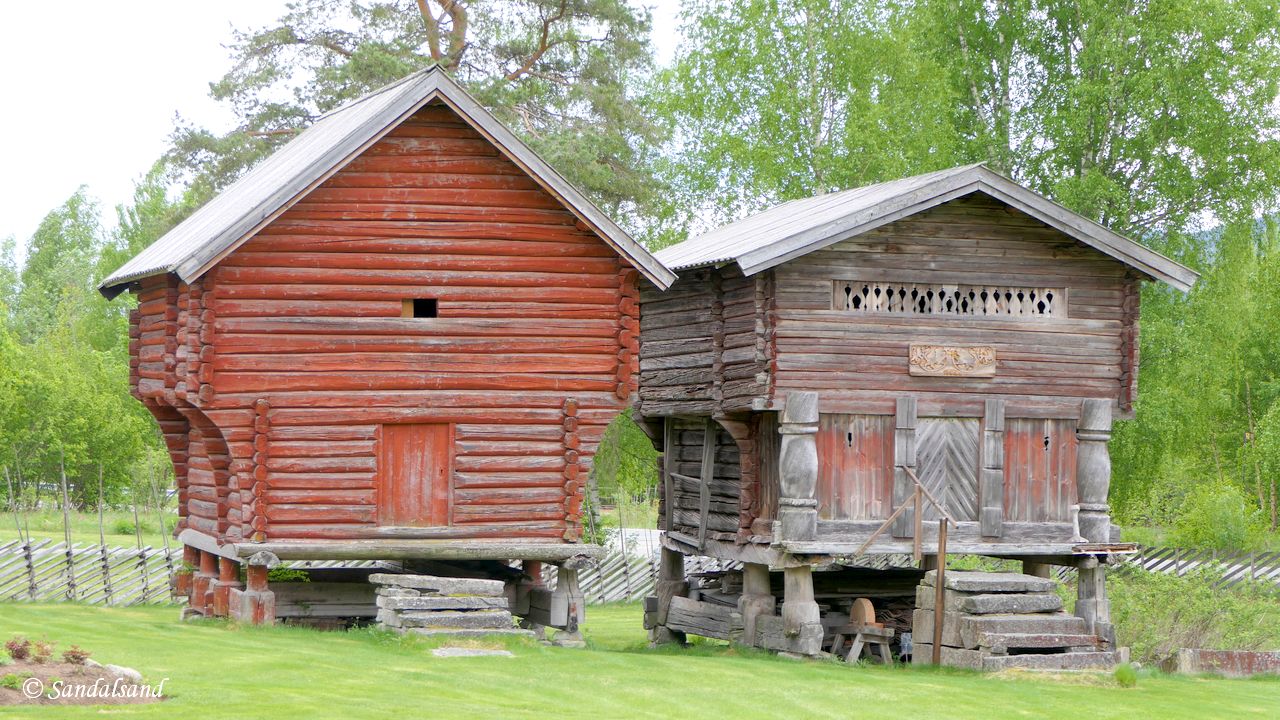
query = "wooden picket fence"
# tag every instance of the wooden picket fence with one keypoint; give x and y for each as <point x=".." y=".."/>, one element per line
<point x="45" y="570"/>
<point x="1233" y="568"/>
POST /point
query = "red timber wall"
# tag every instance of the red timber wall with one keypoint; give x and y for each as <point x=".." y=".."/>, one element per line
<point x="273" y="375"/>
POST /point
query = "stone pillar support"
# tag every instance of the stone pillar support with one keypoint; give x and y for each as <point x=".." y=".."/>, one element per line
<point x="757" y="599"/>
<point x="1093" y="470"/>
<point x="798" y="468"/>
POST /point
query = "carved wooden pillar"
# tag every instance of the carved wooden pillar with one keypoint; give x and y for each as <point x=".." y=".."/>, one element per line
<point x="801" y="616"/>
<point x="798" y="467"/>
<point x="1093" y="470"/>
<point x="670" y="583"/>
<point x="904" y="456"/>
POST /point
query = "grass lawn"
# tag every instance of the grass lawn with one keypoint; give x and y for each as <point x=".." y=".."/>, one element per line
<point x="217" y="670"/>
<point x="46" y="524"/>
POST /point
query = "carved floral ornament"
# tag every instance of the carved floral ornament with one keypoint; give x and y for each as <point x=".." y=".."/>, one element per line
<point x="952" y="361"/>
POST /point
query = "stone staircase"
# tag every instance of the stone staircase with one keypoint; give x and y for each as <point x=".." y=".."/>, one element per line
<point x="997" y="621"/>
<point x="443" y="606"/>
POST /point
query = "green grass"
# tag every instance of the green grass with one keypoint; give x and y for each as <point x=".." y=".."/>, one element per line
<point x="118" y="524"/>
<point x="217" y="670"/>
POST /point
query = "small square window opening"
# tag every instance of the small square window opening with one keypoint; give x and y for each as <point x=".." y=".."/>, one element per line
<point x="419" y="308"/>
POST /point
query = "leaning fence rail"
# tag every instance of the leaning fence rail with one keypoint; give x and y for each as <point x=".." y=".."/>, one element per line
<point x="45" y="570"/>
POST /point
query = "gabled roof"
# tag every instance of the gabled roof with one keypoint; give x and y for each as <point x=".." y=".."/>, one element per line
<point x="233" y="216"/>
<point x="799" y="227"/>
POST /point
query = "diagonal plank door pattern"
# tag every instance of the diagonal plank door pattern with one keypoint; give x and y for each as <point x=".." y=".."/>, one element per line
<point x="947" y="464"/>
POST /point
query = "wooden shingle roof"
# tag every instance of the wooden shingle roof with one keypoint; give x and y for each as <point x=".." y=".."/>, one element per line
<point x="799" y="227"/>
<point x="271" y="187"/>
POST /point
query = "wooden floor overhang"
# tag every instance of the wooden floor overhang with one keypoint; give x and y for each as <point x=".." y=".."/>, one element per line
<point x="395" y="549"/>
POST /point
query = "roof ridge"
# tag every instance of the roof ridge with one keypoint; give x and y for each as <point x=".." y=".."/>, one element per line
<point x="374" y="93"/>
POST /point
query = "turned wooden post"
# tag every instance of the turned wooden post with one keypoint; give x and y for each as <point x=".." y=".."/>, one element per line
<point x="228" y="578"/>
<point x="798" y="467"/>
<point x="801" y="616"/>
<point x="670" y="583"/>
<point x="1093" y="470"/>
<point x="757" y="599"/>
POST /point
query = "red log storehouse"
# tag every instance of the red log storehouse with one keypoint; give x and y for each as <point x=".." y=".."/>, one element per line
<point x="398" y="338"/>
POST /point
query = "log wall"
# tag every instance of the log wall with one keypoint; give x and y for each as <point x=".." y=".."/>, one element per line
<point x="726" y="490"/>
<point x="705" y="343"/>
<point x="285" y="359"/>
<point x="857" y="361"/>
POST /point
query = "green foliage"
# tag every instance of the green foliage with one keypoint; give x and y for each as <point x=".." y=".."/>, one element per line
<point x="1155" y="614"/>
<point x="1218" y="517"/>
<point x="286" y="574"/>
<point x="771" y="101"/>
<point x="1126" y="675"/>
<point x="13" y="681"/>
<point x="625" y="464"/>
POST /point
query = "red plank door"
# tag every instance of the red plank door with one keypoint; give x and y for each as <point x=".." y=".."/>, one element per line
<point x="413" y="474"/>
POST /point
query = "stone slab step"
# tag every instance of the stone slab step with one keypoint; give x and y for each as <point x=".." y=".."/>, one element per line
<point x="466" y="632"/>
<point x="473" y="619"/>
<point x="960" y="630"/>
<point x="440" y="585"/>
<point x="989" y="582"/>
<point x="437" y="602"/>
<point x="990" y="603"/>
<point x="1001" y="643"/>
<point x="922" y="653"/>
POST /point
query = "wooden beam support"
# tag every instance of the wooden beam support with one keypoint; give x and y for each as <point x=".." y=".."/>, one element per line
<point x="757" y="599"/>
<point x="671" y="583"/>
<point x="801" y="616"/>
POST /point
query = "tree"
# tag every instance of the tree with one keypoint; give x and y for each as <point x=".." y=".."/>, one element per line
<point x="557" y="71"/>
<point x="1146" y="116"/>
<point x="773" y="100"/>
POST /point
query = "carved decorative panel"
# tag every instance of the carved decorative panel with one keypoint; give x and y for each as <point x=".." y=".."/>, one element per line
<point x="952" y="361"/>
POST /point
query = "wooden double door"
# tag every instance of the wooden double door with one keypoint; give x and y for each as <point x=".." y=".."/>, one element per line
<point x="856" y="459"/>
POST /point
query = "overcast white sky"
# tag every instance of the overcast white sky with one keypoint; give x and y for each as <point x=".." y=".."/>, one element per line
<point x="89" y="89"/>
